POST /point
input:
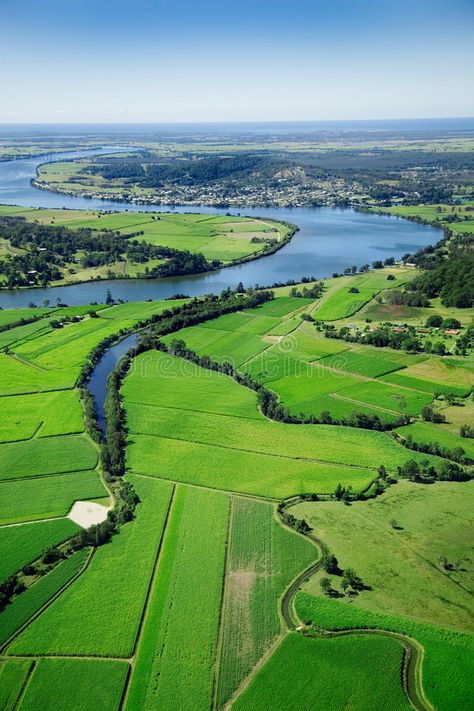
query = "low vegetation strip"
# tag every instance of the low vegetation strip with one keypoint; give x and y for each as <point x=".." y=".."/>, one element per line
<point x="87" y="685"/>
<point x="303" y="673"/>
<point x="262" y="559"/>
<point x="174" y="666"/>
<point x="112" y="589"/>
<point x="24" y="606"/>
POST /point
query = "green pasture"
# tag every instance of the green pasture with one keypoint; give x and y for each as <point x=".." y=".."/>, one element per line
<point x="40" y="415"/>
<point x="342" y="303"/>
<point x="21" y="609"/>
<point x="405" y="380"/>
<point x="188" y="438"/>
<point x="112" y="589"/>
<point x="379" y="394"/>
<point x="398" y="544"/>
<point x="361" y="363"/>
<point x="13" y="675"/>
<point x="235" y="470"/>
<point x="22" y="377"/>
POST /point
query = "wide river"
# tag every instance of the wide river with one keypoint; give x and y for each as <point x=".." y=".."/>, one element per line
<point x="329" y="239"/>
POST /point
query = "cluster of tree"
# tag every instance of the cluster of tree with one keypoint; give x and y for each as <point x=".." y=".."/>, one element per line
<point x="465" y="341"/>
<point x="299" y="524"/>
<point x="308" y="292"/>
<point x="451" y="278"/>
<point x="429" y="414"/>
<point x="50" y="248"/>
<point x="407" y="298"/>
<point x="467" y="431"/>
<point x="351" y="583"/>
<point x="436" y="321"/>
<point x="382" y="337"/>
<point x="426" y="472"/>
<point x="8" y="589"/>
<point x="456" y="455"/>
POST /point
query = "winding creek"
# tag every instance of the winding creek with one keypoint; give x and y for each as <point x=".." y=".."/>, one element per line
<point x="329" y="239"/>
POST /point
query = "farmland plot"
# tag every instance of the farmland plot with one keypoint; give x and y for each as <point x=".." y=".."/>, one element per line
<point x="87" y="685"/>
<point x="113" y="588"/>
<point x="303" y="674"/>
<point x="263" y="558"/>
<point x="18" y="612"/>
<point x="20" y="545"/>
<point x="448" y="666"/>
<point x="174" y="668"/>
<point x="49" y="455"/>
<point x="45" y="414"/>
<point x="13" y="675"/>
<point x="47" y="497"/>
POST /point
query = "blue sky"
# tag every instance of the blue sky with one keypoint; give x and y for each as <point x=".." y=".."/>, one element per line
<point x="204" y="60"/>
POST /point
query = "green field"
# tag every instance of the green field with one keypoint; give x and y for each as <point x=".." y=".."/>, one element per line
<point x="22" y="377"/>
<point x="47" y="497"/>
<point x="174" y="667"/>
<point x="303" y="674"/>
<point x="342" y="303"/>
<point x="182" y="608"/>
<point x="112" y="589"/>
<point x="18" y="612"/>
<point x="262" y="560"/>
<point x="448" y="666"/>
<point x="22" y="544"/>
<point x="428" y="433"/>
<point x="361" y="363"/>
<point x="398" y="400"/>
<point x="48" y="455"/>
<point x="86" y="684"/>
<point x="41" y="415"/>
<point x="226" y="451"/>
<point x="13" y="675"/>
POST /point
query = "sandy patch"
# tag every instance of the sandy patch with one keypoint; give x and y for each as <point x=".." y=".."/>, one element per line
<point x="87" y="514"/>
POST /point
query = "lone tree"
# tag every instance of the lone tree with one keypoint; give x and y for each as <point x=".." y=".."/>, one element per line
<point x="351" y="579"/>
<point x="325" y="584"/>
<point x="330" y="564"/>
